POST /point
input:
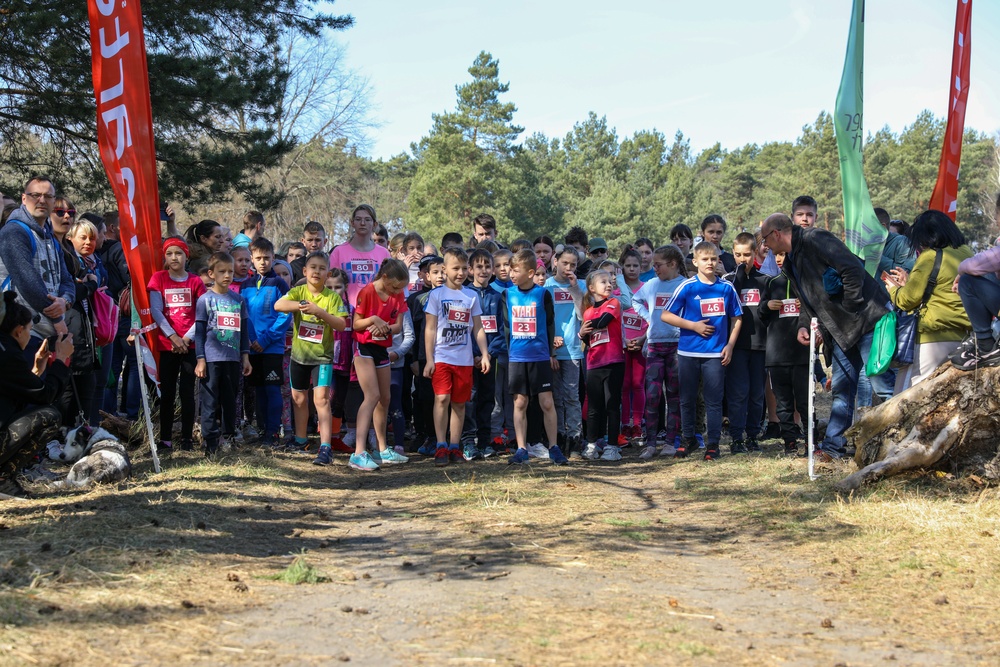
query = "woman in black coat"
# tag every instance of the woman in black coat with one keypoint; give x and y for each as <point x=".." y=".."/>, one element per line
<point x="27" y="418"/>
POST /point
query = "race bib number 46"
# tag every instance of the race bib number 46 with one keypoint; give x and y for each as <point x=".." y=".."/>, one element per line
<point x="228" y="321"/>
<point x="713" y="307"/>
<point x="311" y="332"/>
<point x="750" y="297"/>
<point x="177" y="297"/>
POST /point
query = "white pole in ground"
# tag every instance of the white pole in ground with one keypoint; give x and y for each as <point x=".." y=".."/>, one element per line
<point x="811" y="447"/>
<point x="145" y="404"/>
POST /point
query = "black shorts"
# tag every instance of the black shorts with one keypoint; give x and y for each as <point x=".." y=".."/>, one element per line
<point x="303" y="377"/>
<point x="377" y="353"/>
<point x="268" y="369"/>
<point x="529" y="378"/>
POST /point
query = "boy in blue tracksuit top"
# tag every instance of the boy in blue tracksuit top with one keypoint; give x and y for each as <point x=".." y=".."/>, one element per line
<point x="708" y="313"/>
<point x="267" y="338"/>
<point x="477" y="430"/>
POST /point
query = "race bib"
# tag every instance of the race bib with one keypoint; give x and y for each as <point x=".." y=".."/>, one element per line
<point x="600" y="337"/>
<point x="523" y="327"/>
<point x="562" y="295"/>
<point x="178" y="297"/>
<point x="227" y="321"/>
<point x="415" y="287"/>
<point x="713" y="307"/>
<point x="633" y="322"/>
<point x="789" y="308"/>
<point x="490" y="324"/>
<point x="459" y="316"/>
<point x="662" y="300"/>
<point x="312" y="332"/>
<point x="750" y="297"/>
<point x="362" y="268"/>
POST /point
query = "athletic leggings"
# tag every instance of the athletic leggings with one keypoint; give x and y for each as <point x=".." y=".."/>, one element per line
<point x="25" y="436"/>
<point x="604" y="400"/>
<point x="634" y="388"/>
<point x="174" y="366"/>
<point x="396" y="407"/>
<point x="661" y="378"/>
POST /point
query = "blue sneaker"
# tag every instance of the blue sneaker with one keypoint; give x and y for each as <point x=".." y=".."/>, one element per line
<point x="392" y="457"/>
<point x="470" y="452"/>
<point x="556" y="456"/>
<point x="376" y="456"/>
<point x="362" y="462"/>
<point x="520" y="456"/>
<point x="488" y="452"/>
<point x="429" y="448"/>
<point x="324" y="457"/>
<point x="701" y="440"/>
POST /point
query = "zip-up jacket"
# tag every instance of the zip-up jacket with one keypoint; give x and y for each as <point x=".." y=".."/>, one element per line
<point x="269" y="325"/>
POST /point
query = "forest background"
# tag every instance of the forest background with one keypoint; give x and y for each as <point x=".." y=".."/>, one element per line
<point x="258" y="108"/>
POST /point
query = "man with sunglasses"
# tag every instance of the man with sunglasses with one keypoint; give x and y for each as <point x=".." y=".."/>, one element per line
<point x="32" y="264"/>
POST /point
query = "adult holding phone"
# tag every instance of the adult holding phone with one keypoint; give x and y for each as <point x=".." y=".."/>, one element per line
<point x="27" y="418"/>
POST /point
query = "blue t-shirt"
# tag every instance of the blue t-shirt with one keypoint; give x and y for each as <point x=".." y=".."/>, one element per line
<point x="646" y="276"/>
<point x="696" y="301"/>
<point x="567" y="320"/>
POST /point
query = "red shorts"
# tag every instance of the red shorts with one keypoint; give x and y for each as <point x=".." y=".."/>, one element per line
<point x="454" y="380"/>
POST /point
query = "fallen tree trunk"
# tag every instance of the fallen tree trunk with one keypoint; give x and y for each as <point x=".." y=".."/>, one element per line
<point x="952" y="418"/>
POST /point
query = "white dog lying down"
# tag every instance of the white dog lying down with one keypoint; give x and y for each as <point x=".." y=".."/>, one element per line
<point x="100" y="458"/>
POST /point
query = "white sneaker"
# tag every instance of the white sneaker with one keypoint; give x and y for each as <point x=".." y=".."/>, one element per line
<point x="538" y="451"/>
<point x="647" y="452"/>
<point x="611" y="453"/>
<point x="668" y="450"/>
<point x="590" y="452"/>
<point x="225" y="446"/>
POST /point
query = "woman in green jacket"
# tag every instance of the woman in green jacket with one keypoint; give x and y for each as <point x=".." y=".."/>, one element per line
<point x="943" y="323"/>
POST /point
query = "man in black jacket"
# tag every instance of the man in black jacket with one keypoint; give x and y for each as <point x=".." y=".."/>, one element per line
<point x="833" y="287"/>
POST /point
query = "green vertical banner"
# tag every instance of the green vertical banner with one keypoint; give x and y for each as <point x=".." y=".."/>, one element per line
<point x="864" y="234"/>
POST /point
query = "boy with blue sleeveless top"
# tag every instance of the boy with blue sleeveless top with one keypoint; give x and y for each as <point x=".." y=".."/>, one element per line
<point x="528" y="322"/>
<point x="708" y="313"/>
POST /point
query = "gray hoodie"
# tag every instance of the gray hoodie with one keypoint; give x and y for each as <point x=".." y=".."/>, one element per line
<point x="35" y="275"/>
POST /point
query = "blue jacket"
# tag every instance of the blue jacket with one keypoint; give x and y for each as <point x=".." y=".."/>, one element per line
<point x="489" y="301"/>
<point x="269" y="326"/>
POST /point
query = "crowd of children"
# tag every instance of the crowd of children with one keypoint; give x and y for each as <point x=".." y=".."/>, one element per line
<point x="542" y="350"/>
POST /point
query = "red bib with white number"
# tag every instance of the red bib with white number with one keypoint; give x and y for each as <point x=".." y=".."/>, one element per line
<point x="178" y="297"/>
<point x="312" y="332"/>
<point x="459" y="316"/>
<point x="523" y="327"/>
<point x="490" y="324"/>
<point x="662" y="300"/>
<point x="713" y="307"/>
<point x="632" y="322"/>
<point x="227" y="321"/>
<point x="789" y="308"/>
<point x="562" y="295"/>
<point x="360" y="267"/>
<point x="600" y="337"/>
<point x="750" y="297"/>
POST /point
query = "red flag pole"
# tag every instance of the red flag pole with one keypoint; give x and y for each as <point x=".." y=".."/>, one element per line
<point x="945" y="195"/>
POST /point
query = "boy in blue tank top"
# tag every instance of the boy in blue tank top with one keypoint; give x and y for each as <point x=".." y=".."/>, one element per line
<point x="528" y="322"/>
<point x="708" y="313"/>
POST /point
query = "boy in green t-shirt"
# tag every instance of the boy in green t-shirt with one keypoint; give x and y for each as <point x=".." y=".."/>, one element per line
<point x="317" y="312"/>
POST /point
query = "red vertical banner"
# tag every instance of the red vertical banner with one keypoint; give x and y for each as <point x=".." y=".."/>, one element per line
<point x="945" y="195"/>
<point x="125" y="137"/>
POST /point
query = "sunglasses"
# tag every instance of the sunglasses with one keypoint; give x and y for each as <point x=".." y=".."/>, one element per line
<point x="61" y="212"/>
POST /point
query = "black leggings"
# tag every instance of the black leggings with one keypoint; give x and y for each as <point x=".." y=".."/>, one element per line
<point x="604" y="402"/>
<point x="25" y="435"/>
<point x="173" y="366"/>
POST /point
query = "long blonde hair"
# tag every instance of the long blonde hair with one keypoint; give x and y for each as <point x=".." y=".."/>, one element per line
<point x="588" y="300"/>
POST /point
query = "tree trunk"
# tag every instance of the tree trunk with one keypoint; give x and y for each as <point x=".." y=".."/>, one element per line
<point x="951" y="418"/>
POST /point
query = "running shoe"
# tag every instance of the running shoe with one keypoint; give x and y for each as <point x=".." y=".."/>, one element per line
<point x="700" y="439"/>
<point x="712" y="453"/>
<point x="753" y="445"/>
<point x="738" y="447"/>
<point x="376" y="455"/>
<point x="622" y="440"/>
<point x="429" y="448"/>
<point x="454" y="455"/>
<point x="647" y="452"/>
<point x="591" y="452"/>
<point x="441" y="456"/>
<point x="324" y="457"/>
<point x="470" y="452"/>
<point x="489" y="451"/>
<point x="668" y="450"/>
<point x="611" y="453"/>
<point x="538" y="451"/>
<point x="556" y="456"/>
<point x="362" y="461"/>
<point x="520" y="456"/>
<point x="392" y="457"/>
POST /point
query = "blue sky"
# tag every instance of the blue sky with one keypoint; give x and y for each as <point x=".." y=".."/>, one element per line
<point x="733" y="71"/>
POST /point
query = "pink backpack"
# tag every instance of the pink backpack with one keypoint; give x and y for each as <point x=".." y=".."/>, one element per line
<point x="105" y="315"/>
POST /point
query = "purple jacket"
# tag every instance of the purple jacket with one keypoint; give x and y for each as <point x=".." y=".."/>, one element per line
<point x="987" y="261"/>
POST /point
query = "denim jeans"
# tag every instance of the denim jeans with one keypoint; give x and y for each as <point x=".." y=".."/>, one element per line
<point x="713" y="379"/>
<point x="566" y="395"/>
<point x="981" y="298"/>
<point x="865" y="389"/>
<point x="847" y="365"/>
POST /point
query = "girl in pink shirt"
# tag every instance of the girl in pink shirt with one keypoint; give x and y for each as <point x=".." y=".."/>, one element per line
<point x="634" y="386"/>
<point x="602" y="333"/>
<point x="360" y="258"/>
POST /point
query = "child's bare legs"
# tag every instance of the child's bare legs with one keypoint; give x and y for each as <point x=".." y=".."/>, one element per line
<point x="521" y="419"/>
<point x="457" y="421"/>
<point x="384" y="378"/>
<point x="368" y="379"/>
<point x="300" y="401"/>
<point x="321" y="397"/>
<point x="549" y="416"/>
<point x="441" y="404"/>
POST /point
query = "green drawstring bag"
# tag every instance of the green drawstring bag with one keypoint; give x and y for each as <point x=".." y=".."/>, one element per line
<point x="883" y="345"/>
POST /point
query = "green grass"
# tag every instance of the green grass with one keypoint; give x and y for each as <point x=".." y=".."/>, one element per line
<point x="299" y="572"/>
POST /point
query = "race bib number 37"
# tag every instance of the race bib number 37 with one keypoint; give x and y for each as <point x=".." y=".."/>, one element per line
<point x="562" y="295"/>
<point x="713" y="307"/>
